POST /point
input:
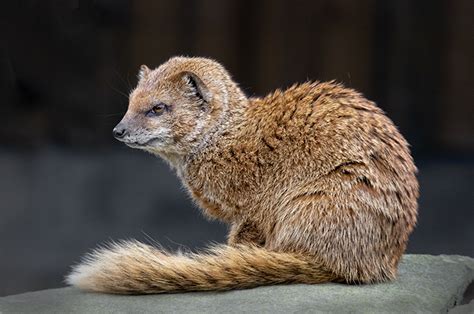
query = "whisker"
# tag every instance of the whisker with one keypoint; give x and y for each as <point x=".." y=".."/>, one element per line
<point x="117" y="90"/>
<point x="126" y="83"/>
<point x="106" y="115"/>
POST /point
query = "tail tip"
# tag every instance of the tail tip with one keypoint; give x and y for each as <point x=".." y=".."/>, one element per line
<point x="79" y="277"/>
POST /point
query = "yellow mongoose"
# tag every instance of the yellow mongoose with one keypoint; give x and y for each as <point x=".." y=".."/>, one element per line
<point x="315" y="181"/>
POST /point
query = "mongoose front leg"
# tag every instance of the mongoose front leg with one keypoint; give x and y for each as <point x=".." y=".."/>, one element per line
<point x="210" y="208"/>
<point x="245" y="232"/>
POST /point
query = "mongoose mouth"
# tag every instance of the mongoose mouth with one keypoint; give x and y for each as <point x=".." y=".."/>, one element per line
<point x="143" y="144"/>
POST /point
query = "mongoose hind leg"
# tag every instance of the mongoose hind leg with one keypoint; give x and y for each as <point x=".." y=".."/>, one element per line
<point x="245" y="232"/>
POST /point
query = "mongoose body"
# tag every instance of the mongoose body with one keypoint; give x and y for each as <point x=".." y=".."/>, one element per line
<point x="316" y="183"/>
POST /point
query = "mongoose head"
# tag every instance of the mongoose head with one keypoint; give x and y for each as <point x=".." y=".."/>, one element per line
<point x="176" y="106"/>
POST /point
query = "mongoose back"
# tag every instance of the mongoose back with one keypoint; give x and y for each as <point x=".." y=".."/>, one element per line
<point x="316" y="183"/>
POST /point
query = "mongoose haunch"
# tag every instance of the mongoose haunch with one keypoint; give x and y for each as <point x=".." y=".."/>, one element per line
<point x="316" y="183"/>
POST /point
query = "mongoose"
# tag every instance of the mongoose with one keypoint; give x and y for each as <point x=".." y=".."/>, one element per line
<point x="316" y="183"/>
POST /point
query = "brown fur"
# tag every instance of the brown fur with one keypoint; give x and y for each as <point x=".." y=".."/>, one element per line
<point x="316" y="183"/>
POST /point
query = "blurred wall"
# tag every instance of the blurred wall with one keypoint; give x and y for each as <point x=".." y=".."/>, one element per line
<point x="67" y="64"/>
<point x="67" y="68"/>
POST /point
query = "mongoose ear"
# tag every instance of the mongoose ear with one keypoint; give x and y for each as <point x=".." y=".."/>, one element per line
<point x="144" y="71"/>
<point x="196" y="86"/>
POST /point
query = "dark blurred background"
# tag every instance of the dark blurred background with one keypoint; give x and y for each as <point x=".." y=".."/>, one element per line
<point x="68" y="66"/>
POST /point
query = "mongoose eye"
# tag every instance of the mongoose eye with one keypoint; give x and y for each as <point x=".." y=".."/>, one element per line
<point x="156" y="110"/>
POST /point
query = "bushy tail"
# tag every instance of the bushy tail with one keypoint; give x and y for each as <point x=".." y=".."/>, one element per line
<point x="137" y="268"/>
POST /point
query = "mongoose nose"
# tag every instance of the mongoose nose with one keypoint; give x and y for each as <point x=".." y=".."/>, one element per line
<point x="119" y="132"/>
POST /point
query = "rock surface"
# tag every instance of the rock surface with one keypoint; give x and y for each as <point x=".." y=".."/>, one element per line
<point x="463" y="309"/>
<point x="426" y="283"/>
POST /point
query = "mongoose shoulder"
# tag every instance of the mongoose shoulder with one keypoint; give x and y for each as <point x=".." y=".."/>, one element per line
<point x="315" y="181"/>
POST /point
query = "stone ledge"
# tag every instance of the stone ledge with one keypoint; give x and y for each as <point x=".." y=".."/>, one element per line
<point x="426" y="283"/>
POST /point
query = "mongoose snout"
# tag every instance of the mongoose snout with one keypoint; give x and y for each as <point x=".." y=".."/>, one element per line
<point x="119" y="131"/>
